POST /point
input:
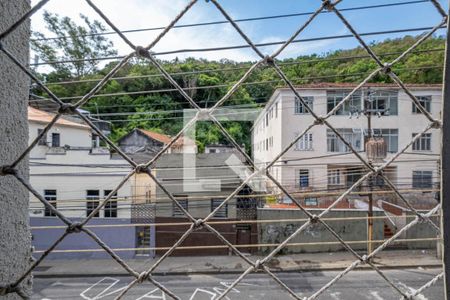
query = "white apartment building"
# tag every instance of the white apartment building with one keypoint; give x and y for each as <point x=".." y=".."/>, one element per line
<point x="69" y="167"/>
<point x="321" y="162"/>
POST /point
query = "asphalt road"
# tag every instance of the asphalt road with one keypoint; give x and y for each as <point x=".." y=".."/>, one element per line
<point x="355" y="285"/>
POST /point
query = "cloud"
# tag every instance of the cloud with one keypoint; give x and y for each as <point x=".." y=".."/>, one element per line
<point x="144" y="14"/>
<point x="301" y="48"/>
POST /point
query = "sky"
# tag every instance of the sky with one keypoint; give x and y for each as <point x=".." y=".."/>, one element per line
<point x="133" y="14"/>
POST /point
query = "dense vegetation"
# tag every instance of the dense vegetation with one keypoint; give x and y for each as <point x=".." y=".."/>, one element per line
<point x="142" y="98"/>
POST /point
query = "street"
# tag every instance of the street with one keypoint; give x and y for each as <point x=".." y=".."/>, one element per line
<point x="355" y="285"/>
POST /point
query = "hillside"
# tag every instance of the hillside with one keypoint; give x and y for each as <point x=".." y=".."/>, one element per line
<point x="142" y="98"/>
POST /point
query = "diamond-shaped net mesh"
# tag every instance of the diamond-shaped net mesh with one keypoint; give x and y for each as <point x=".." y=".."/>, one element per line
<point x="384" y="68"/>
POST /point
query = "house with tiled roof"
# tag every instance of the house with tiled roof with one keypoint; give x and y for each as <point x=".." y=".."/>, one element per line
<point x="143" y="144"/>
<point x="74" y="172"/>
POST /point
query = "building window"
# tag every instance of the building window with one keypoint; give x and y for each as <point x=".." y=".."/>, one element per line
<point x="351" y="136"/>
<point x="56" y="140"/>
<point x="423" y="143"/>
<point x="222" y="212"/>
<point x="300" y="108"/>
<point x="148" y="196"/>
<point x="334" y="177"/>
<point x="352" y="175"/>
<point x="378" y="181"/>
<point x="111" y="206"/>
<point x="425" y="101"/>
<point x="305" y="143"/>
<point x="311" y="201"/>
<point x="353" y="105"/>
<point x="390" y="137"/>
<point x="176" y="211"/>
<point x="43" y="140"/>
<point x="92" y="196"/>
<point x="422" y="179"/>
<point x="303" y="178"/>
<point x="384" y="102"/>
<point x="276" y="110"/>
<point x="50" y="195"/>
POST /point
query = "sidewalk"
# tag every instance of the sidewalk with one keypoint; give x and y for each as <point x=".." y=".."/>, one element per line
<point x="179" y="265"/>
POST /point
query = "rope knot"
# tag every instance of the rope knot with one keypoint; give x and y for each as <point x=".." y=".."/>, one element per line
<point x="364" y="259"/>
<point x="436" y="124"/>
<point x="387" y="68"/>
<point x="7" y="170"/>
<point x="142" y="277"/>
<point x="198" y="223"/>
<point x="142" y="52"/>
<point x="377" y="171"/>
<point x="314" y="219"/>
<point x="319" y="121"/>
<point x="421" y="218"/>
<point x="142" y="168"/>
<point x="74" y="228"/>
<point x="258" y="264"/>
<point x="328" y="5"/>
<point x="67" y="109"/>
<point x="269" y="60"/>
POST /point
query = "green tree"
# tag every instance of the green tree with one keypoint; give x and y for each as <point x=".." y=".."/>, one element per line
<point x="81" y="44"/>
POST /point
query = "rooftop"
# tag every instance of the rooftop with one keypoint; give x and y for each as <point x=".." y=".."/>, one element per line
<point x="165" y="139"/>
<point x="41" y="116"/>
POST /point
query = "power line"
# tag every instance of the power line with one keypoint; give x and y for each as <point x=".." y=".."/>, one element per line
<point x="219" y="114"/>
<point x="240" y="68"/>
<point x="167" y="90"/>
<point x="202" y="198"/>
<point x="224" y="48"/>
<point x="221" y="221"/>
<point x="251" y="19"/>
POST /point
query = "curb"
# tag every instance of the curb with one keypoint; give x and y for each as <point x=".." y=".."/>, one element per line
<point x="231" y="271"/>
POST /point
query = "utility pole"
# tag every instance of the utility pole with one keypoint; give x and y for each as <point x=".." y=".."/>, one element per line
<point x="375" y="150"/>
<point x="368" y="113"/>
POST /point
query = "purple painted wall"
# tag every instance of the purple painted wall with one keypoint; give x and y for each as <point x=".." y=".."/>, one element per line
<point x="114" y="237"/>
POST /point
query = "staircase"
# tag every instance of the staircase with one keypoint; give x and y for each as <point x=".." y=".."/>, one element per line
<point x="388" y="233"/>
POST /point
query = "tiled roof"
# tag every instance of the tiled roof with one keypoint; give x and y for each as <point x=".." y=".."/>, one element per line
<point x="40" y="116"/>
<point x="165" y="139"/>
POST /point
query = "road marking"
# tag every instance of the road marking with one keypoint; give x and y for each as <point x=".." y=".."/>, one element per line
<point x="375" y="295"/>
<point x="335" y="295"/>
<point x="198" y="290"/>
<point x="150" y="296"/>
<point x="227" y="285"/>
<point x="101" y="293"/>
